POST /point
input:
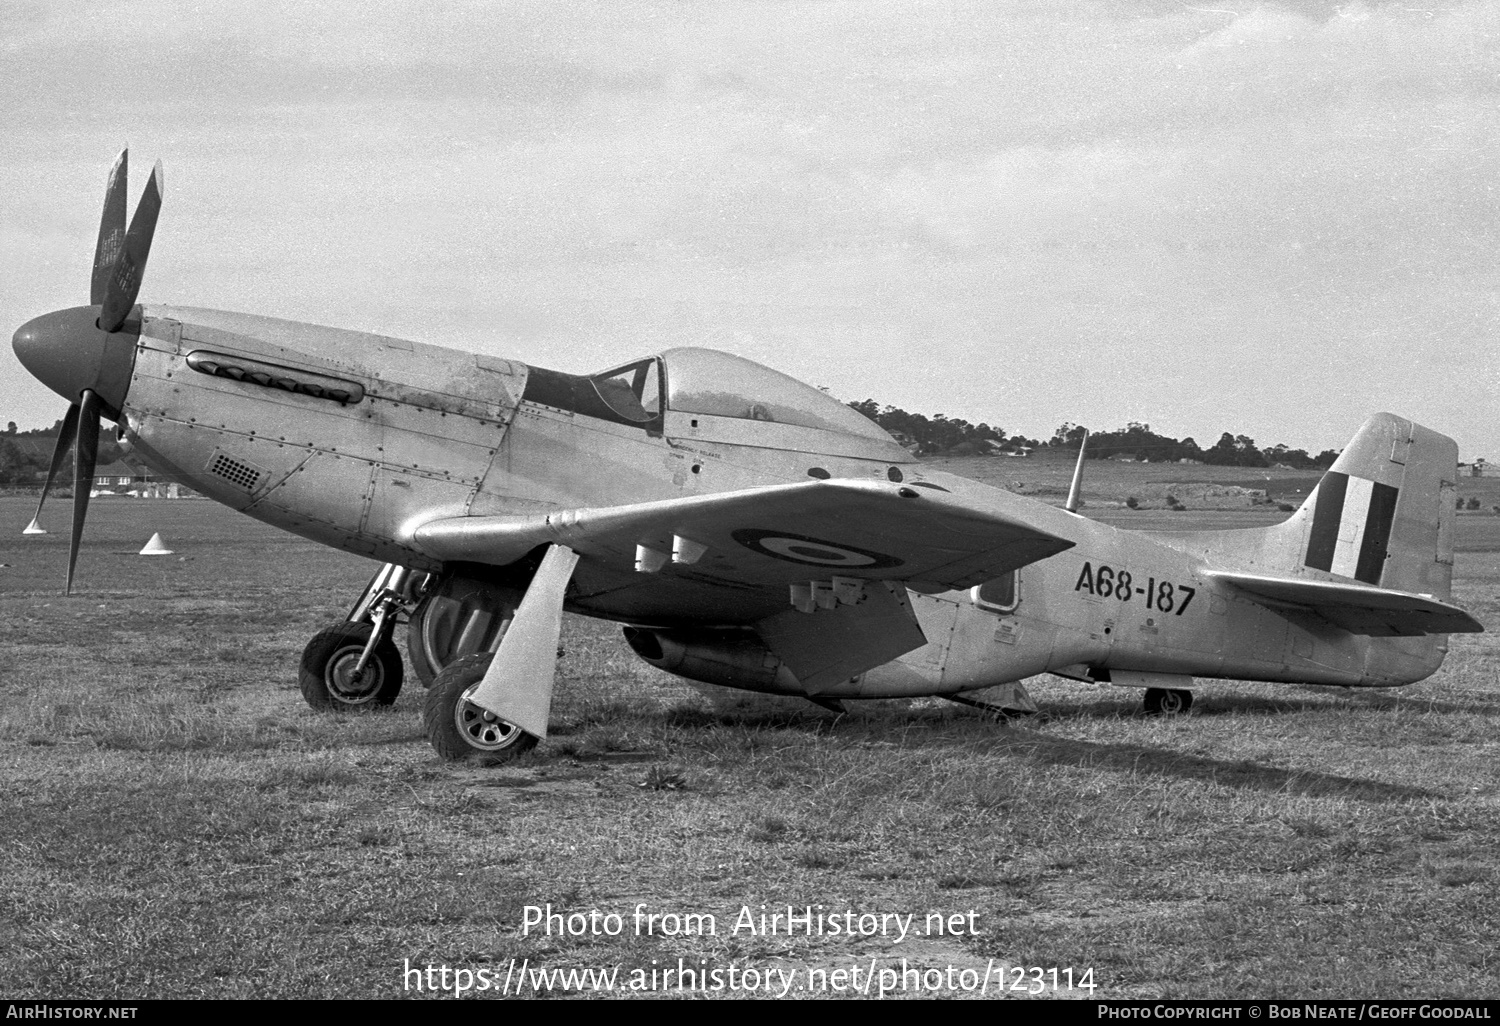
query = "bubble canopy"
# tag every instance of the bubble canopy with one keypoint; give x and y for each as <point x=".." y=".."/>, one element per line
<point x="721" y="385"/>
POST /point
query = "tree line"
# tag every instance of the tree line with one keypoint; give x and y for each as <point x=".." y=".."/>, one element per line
<point x="941" y="435"/>
<point x="20" y="464"/>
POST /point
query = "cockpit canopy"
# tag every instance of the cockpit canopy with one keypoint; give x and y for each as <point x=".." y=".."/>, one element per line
<point x="714" y="396"/>
<point x="715" y="383"/>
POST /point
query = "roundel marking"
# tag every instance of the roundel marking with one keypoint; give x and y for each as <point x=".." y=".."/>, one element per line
<point x="789" y="549"/>
<point x="798" y="548"/>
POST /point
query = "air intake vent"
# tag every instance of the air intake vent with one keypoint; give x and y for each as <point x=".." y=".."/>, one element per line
<point x="236" y="471"/>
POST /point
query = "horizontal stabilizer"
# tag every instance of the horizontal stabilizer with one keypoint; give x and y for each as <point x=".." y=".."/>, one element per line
<point x="1358" y="609"/>
<point x="770" y="536"/>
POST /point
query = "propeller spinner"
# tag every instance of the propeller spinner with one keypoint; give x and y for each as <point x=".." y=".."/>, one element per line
<point x="86" y="353"/>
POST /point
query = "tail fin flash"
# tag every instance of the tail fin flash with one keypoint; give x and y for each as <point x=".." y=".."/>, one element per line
<point x="1383" y="514"/>
<point x="1370" y="551"/>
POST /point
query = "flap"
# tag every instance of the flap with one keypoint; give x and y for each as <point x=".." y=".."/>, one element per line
<point x="1358" y="609"/>
<point x="828" y="646"/>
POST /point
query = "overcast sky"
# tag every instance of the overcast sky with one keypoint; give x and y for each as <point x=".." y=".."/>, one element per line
<point x="1263" y="218"/>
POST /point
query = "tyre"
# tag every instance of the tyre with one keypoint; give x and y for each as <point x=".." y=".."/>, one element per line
<point x="459" y="617"/>
<point x="459" y="729"/>
<point x="1168" y="701"/>
<point x="327" y="674"/>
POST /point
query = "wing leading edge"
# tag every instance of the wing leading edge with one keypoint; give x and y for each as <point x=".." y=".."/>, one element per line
<point x="1358" y="609"/>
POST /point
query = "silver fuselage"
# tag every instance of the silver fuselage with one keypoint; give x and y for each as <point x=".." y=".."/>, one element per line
<point x="441" y="433"/>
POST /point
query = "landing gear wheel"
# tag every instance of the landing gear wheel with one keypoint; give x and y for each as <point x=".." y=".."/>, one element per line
<point x="458" y="728"/>
<point x="1168" y="701"/>
<point x="457" y="618"/>
<point x="328" y="679"/>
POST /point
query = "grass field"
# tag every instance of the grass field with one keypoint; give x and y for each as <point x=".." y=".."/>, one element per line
<point x="176" y="822"/>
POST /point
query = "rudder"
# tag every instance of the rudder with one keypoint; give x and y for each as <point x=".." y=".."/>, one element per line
<point x="1383" y="514"/>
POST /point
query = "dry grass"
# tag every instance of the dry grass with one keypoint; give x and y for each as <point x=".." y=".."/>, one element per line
<point x="177" y="823"/>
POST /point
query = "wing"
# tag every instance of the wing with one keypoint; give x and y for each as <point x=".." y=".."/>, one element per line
<point x="771" y="536"/>
<point x="814" y="543"/>
<point x="1358" y="609"/>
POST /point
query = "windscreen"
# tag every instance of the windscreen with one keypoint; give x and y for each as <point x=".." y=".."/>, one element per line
<point x="633" y="391"/>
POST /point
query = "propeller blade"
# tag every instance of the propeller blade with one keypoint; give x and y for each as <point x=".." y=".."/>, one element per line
<point x="111" y="229"/>
<point x="125" y="281"/>
<point x="64" y="443"/>
<point x="85" y="455"/>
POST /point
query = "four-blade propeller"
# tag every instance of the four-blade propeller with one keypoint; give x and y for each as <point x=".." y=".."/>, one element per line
<point x="119" y="264"/>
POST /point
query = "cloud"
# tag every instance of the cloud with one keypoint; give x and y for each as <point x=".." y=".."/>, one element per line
<point x="855" y="180"/>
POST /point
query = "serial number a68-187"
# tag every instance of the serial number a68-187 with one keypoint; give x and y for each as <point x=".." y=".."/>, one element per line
<point x="1159" y="594"/>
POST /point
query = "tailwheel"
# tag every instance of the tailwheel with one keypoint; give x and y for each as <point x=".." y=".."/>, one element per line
<point x="459" y="729"/>
<point x="331" y="675"/>
<point x="1168" y="701"/>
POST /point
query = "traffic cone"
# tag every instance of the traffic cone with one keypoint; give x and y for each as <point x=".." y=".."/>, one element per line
<point x="156" y="547"/>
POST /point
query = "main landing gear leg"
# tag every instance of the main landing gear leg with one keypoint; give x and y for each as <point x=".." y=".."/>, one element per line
<point x="493" y="708"/>
<point x="355" y="664"/>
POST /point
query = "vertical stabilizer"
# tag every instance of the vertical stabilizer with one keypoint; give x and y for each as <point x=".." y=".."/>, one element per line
<point x="1383" y="514"/>
<point x="1356" y="584"/>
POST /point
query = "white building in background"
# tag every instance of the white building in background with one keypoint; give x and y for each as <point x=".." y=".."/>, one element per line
<point x="125" y="477"/>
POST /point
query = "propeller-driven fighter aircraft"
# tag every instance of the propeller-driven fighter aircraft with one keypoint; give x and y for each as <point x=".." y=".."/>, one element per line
<point x="747" y="529"/>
